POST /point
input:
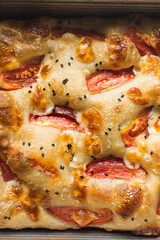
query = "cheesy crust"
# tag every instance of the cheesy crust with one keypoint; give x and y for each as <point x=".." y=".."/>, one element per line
<point x="80" y="124"/>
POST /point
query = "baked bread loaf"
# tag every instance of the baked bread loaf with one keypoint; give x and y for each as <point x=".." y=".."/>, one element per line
<point x="80" y="124"/>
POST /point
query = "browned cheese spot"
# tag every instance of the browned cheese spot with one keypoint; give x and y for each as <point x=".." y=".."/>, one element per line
<point x="132" y="200"/>
<point x="93" y="119"/>
<point x="45" y="70"/>
<point x="151" y="66"/>
<point x="92" y="145"/>
<point x="38" y="97"/>
<point x="136" y="96"/>
<point x="80" y="186"/>
<point x="85" y="52"/>
<point x="117" y="48"/>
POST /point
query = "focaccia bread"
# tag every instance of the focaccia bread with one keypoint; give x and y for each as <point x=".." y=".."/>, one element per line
<point x="80" y="124"/>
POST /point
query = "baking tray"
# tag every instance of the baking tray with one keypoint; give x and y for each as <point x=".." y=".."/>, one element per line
<point x="26" y="9"/>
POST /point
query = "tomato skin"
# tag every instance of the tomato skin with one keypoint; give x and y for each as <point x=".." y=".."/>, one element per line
<point x="7" y="174"/>
<point x="62" y="118"/>
<point x="135" y="128"/>
<point x="114" y="168"/>
<point x="67" y="214"/>
<point x="108" y="79"/>
<point x="141" y="41"/>
<point x="79" y="32"/>
<point x="21" y="77"/>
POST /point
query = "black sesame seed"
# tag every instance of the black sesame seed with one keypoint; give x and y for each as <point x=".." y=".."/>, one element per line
<point x="42" y="154"/>
<point x="29" y="91"/>
<point x="44" y="89"/>
<point x="9" y="218"/>
<point x="56" y="60"/>
<point x="65" y="81"/>
<point x="119" y="99"/>
<point x="122" y="95"/>
<point x="69" y="146"/>
<point x="106" y="174"/>
<point x="145" y="220"/>
<point x="71" y="58"/>
<point x="54" y="94"/>
<point x="49" y="84"/>
<point x="56" y="193"/>
<point x="145" y="137"/>
<point x="61" y="65"/>
<point x="96" y="64"/>
<point x="106" y="133"/>
<point x="151" y="153"/>
<point x="23" y="143"/>
<point x="53" y="144"/>
<point x="81" y="177"/>
<point x="41" y="148"/>
<point x="47" y="191"/>
<point x="132" y="219"/>
<point x="66" y="103"/>
<point x="5" y="217"/>
<point x="29" y="144"/>
<point x="69" y="64"/>
<point x="100" y="62"/>
<point x="92" y="172"/>
<point x="30" y="86"/>
<point x="62" y="167"/>
<point x="85" y="96"/>
<point x="67" y="94"/>
<point x="109" y="129"/>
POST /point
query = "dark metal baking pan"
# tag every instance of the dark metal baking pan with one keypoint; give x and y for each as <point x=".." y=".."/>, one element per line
<point x="21" y="9"/>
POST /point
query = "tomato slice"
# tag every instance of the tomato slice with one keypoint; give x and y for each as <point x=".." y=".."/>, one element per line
<point x="81" y="216"/>
<point x="62" y="118"/>
<point x="7" y="174"/>
<point x="21" y="77"/>
<point x="141" y="40"/>
<point x="114" y="168"/>
<point x="57" y="32"/>
<point x="135" y="128"/>
<point x="108" y="79"/>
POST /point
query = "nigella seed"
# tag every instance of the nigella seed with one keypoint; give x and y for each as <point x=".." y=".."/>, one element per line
<point x="49" y="84"/>
<point x="41" y="148"/>
<point x="96" y="64"/>
<point x="67" y="94"/>
<point x="53" y="144"/>
<point x="119" y="99"/>
<point x="85" y="96"/>
<point x="29" y="91"/>
<point x="69" y="146"/>
<point x="106" y="174"/>
<point x="23" y="143"/>
<point x="145" y="220"/>
<point x="9" y="218"/>
<point x="71" y="58"/>
<point x="81" y="177"/>
<point x="132" y="219"/>
<point x="53" y="110"/>
<point x="69" y="64"/>
<point x="5" y="217"/>
<point x="65" y="81"/>
<point x="44" y="89"/>
<point x="151" y="153"/>
<point x="62" y="167"/>
<point x="159" y="117"/>
<point x="42" y="154"/>
<point x="97" y="69"/>
<point x="109" y="129"/>
<point x="56" y="193"/>
<point x="66" y="103"/>
<point x="61" y="65"/>
<point x="56" y="60"/>
<point x="29" y="144"/>
<point x="122" y="95"/>
<point x="47" y="191"/>
<point x="30" y="86"/>
<point x="92" y="172"/>
<point x="106" y="133"/>
<point x="100" y="62"/>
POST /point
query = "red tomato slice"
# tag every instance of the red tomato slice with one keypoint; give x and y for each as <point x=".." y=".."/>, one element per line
<point x="141" y="40"/>
<point x="7" y="174"/>
<point x="114" y="168"/>
<point x="135" y="128"/>
<point x="158" y="207"/>
<point x="79" y="32"/>
<point x="62" y="118"/>
<point x="21" y="77"/>
<point x="108" y="79"/>
<point x="81" y="216"/>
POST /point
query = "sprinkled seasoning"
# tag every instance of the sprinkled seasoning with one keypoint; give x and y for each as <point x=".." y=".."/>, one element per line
<point x="42" y="154"/>
<point x="56" y="60"/>
<point x="41" y="148"/>
<point x="53" y="144"/>
<point x="66" y="103"/>
<point x="56" y="193"/>
<point x="61" y="65"/>
<point x="119" y="99"/>
<point x="106" y="133"/>
<point x="69" y="64"/>
<point x="62" y="167"/>
<point x="71" y="58"/>
<point x="65" y="81"/>
<point x="29" y="91"/>
<point x="29" y="144"/>
<point x="81" y="177"/>
<point x="23" y="143"/>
